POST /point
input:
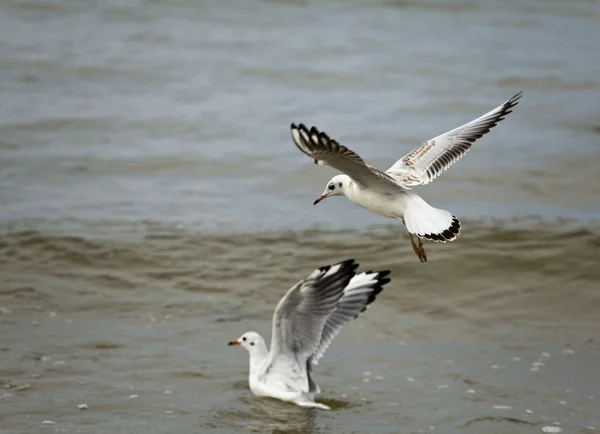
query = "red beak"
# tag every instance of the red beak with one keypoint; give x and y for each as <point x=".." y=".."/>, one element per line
<point x="319" y="199"/>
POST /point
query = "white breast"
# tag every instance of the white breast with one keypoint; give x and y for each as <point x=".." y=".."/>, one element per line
<point x="258" y="387"/>
<point x="386" y="203"/>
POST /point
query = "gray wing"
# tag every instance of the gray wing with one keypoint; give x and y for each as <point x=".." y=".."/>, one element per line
<point x="301" y="314"/>
<point x="326" y="151"/>
<point x="431" y="158"/>
<point x="358" y="294"/>
<point x="299" y="319"/>
<point x="312" y="313"/>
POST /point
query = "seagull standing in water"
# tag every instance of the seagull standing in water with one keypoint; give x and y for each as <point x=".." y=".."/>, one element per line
<point x="389" y="193"/>
<point x="305" y="322"/>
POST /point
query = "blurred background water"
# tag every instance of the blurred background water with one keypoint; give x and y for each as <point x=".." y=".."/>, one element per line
<point x="153" y="207"/>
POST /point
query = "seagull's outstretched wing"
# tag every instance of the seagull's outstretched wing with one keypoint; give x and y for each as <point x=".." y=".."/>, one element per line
<point x="310" y="315"/>
<point x="431" y="158"/>
<point x="358" y="295"/>
<point x="326" y="151"/>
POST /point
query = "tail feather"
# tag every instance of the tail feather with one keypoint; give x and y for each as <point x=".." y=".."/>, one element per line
<point x="428" y="222"/>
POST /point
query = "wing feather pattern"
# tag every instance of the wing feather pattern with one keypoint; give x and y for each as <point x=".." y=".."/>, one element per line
<point x="360" y="292"/>
<point x="312" y="313"/>
<point x="328" y="152"/>
<point x="431" y="158"/>
<point x="301" y="314"/>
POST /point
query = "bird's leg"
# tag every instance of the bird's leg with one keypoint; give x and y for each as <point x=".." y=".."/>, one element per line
<point x="422" y="249"/>
<point x="419" y="249"/>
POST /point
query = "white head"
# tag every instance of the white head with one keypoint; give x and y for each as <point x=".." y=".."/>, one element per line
<point x="335" y="187"/>
<point x="251" y="341"/>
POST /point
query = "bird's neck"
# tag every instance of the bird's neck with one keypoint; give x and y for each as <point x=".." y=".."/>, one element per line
<point x="258" y="357"/>
<point x="350" y="189"/>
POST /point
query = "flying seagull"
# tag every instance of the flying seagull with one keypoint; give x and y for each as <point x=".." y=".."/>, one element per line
<point x="389" y="193"/>
<point x="305" y="322"/>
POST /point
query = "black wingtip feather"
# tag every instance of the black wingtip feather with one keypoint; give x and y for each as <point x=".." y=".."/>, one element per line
<point x="515" y="99"/>
<point x="508" y="106"/>
<point x="382" y="280"/>
<point x="299" y="126"/>
<point x="348" y="267"/>
<point x="345" y="263"/>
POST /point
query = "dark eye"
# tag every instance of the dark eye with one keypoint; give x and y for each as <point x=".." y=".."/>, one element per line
<point x="340" y="185"/>
<point x="252" y="344"/>
<point x="331" y="186"/>
<point x="244" y="339"/>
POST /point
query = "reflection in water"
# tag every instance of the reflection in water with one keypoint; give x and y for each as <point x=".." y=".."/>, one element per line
<point x="267" y="415"/>
<point x="271" y="415"/>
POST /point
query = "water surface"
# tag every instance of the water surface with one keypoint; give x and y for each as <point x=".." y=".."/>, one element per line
<point x="153" y="207"/>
